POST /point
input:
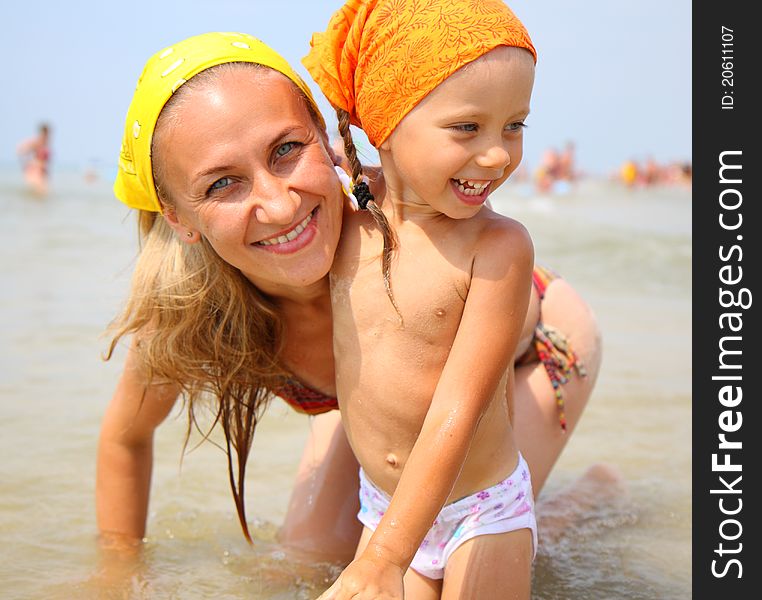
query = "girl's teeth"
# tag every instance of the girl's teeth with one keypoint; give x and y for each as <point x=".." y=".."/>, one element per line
<point x="474" y="187"/>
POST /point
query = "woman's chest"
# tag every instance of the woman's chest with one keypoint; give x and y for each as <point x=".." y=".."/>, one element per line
<point x="308" y="353"/>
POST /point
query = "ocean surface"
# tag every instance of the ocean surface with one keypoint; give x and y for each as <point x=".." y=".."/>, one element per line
<point x="65" y="267"/>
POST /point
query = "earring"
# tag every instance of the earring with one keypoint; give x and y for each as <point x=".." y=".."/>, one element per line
<point x="346" y="186"/>
<point x="189" y="234"/>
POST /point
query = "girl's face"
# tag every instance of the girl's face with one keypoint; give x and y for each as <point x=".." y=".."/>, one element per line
<point x="246" y="167"/>
<point x="464" y="139"/>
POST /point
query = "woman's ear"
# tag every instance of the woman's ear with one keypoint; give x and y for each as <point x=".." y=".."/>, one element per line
<point x="332" y="155"/>
<point x="336" y="152"/>
<point x="184" y="232"/>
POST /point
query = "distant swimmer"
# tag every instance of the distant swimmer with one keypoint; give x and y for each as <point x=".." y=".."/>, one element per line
<point x="567" y="164"/>
<point x="549" y="171"/>
<point x="35" y="156"/>
<point x="629" y="173"/>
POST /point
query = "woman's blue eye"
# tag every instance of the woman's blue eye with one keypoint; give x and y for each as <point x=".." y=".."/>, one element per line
<point x="284" y="149"/>
<point x="221" y="183"/>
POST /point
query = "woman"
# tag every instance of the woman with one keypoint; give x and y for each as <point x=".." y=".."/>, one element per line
<point x="240" y="212"/>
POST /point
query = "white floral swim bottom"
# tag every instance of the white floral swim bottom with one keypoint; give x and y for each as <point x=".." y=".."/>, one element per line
<point x="506" y="506"/>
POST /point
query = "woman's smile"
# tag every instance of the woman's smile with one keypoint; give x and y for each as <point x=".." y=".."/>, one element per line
<point x="293" y="239"/>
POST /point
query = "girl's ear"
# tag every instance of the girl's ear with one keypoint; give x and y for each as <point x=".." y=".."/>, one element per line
<point x="184" y="232"/>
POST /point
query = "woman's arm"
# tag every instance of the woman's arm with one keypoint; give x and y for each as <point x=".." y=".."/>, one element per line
<point x="125" y="451"/>
<point x="322" y="512"/>
<point x="481" y="352"/>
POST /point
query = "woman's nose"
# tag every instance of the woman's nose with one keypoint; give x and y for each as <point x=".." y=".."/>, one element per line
<point x="274" y="201"/>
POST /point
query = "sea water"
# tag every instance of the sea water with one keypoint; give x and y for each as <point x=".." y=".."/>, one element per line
<point x="64" y="273"/>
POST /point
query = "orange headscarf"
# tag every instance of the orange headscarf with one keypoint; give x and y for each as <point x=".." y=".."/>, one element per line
<point x="379" y="58"/>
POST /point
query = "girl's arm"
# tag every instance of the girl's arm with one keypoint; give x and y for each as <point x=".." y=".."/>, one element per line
<point x="483" y="348"/>
<point x="125" y="452"/>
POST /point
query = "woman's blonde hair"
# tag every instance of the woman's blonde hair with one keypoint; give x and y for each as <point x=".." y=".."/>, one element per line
<point x="199" y="323"/>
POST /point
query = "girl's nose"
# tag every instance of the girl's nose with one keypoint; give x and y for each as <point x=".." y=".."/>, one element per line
<point x="495" y="156"/>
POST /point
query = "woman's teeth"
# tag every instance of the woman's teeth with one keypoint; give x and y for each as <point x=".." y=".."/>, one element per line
<point x="282" y="239"/>
<point x="470" y="187"/>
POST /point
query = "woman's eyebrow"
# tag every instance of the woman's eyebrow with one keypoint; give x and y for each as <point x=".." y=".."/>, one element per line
<point x="211" y="171"/>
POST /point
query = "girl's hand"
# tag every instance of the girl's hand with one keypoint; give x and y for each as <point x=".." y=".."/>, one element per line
<point x="367" y="579"/>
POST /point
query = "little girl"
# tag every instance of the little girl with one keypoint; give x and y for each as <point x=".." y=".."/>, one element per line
<point x="425" y="338"/>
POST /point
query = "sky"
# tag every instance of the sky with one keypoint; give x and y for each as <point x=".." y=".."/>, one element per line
<point x="613" y="76"/>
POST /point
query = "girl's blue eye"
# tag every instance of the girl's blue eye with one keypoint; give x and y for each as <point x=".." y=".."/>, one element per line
<point x="467" y="127"/>
<point x="518" y="126"/>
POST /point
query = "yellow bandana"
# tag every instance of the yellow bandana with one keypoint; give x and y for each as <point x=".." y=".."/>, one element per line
<point x="379" y="58"/>
<point x="163" y="74"/>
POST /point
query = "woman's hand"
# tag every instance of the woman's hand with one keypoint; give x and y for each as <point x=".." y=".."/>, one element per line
<point x="367" y="579"/>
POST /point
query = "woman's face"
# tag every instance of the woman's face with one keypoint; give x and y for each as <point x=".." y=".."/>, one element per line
<point x="247" y="168"/>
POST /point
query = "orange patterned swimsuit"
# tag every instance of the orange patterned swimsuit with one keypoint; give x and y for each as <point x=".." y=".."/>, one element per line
<point x="304" y="399"/>
<point x="551" y="347"/>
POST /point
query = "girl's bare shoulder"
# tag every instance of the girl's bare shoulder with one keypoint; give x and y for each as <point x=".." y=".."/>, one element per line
<point x="500" y="232"/>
